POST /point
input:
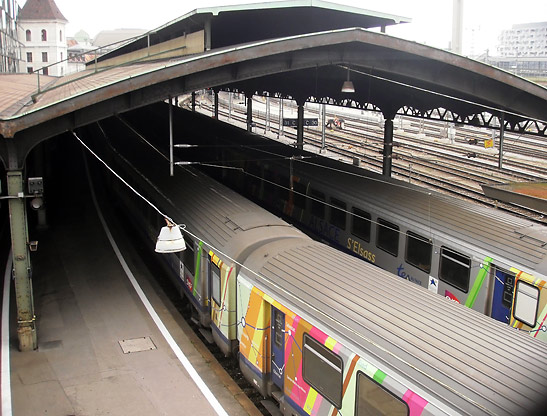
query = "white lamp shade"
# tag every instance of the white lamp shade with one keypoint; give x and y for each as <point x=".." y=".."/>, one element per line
<point x="170" y="240"/>
<point x="36" y="203"/>
<point x="348" y="86"/>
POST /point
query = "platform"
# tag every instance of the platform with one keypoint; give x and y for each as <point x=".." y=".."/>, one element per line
<point x="528" y="194"/>
<point x="100" y="352"/>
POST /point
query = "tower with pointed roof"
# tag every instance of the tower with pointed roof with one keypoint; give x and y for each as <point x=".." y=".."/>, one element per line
<point x="42" y="32"/>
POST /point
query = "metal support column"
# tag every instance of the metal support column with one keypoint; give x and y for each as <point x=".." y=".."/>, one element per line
<point x="193" y="101"/>
<point x="215" y="94"/>
<point x="267" y="126"/>
<point x="230" y="94"/>
<point x="323" y="125"/>
<point x="502" y="131"/>
<point x="249" y="112"/>
<point x="280" y="130"/>
<point x="39" y="168"/>
<point x="171" y="160"/>
<point x="300" y="127"/>
<point x="26" y="321"/>
<point x="388" y="146"/>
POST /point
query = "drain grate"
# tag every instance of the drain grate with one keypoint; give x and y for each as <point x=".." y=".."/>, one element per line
<point x="137" y="345"/>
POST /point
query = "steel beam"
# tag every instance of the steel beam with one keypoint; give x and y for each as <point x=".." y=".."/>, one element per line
<point x="215" y="94"/>
<point x="388" y="147"/>
<point x="171" y="159"/>
<point x="249" y="112"/>
<point x="502" y="130"/>
<point x="300" y="127"/>
<point x="26" y="321"/>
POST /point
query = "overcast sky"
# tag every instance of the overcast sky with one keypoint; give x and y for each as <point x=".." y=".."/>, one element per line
<point x="431" y="19"/>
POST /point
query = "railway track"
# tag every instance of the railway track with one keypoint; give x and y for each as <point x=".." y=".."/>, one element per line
<point x="417" y="160"/>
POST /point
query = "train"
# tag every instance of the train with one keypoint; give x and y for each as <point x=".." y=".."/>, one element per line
<point x="316" y="330"/>
<point x="474" y="255"/>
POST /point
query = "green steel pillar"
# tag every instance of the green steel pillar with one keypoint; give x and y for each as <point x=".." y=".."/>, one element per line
<point x="26" y="321"/>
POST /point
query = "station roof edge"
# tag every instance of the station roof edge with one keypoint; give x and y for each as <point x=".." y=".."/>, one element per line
<point x="215" y="11"/>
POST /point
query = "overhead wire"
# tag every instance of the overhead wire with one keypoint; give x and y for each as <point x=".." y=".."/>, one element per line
<point x="289" y="294"/>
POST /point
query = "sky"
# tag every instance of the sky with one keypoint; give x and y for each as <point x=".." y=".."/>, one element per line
<point x="431" y="19"/>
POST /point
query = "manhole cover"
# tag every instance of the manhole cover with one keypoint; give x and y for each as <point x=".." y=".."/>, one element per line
<point x="137" y="344"/>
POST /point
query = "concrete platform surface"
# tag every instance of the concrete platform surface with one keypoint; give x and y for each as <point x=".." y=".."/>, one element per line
<point x="86" y="307"/>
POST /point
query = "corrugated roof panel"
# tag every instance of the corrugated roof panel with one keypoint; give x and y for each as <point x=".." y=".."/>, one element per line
<point x="384" y="316"/>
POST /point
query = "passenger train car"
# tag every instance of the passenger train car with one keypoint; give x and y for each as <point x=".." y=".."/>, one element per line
<point x="318" y="330"/>
<point x="473" y="255"/>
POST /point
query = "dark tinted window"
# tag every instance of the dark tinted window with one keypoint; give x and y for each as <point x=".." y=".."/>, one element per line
<point x="317" y="203"/>
<point x="253" y="178"/>
<point x="299" y="195"/>
<point x="454" y="269"/>
<point x="374" y="400"/>
<point x="360" y="226"/>
<point x="188" y="256"/>
<point x="418" y="251"/>
<point x="322" y="369"/>
<point x="388" y="237"/>
<point x="338" y="214"/>
<point x="215" y="283"/>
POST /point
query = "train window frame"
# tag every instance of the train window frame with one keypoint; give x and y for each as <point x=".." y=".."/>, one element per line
<point x="412" y="239"/>
<point x="313" y="349"/>
<point x="519" y="295"/>
<point x="384" y="226"/>
<point x="186" y="257"/>
<point x="358" y="218"/>
<point x="216" y="282"/>
<point x="337" y="213"/>
<point x="361" y="377"/>
<point x="464" y="288"/>
<point x="317" y="203"/>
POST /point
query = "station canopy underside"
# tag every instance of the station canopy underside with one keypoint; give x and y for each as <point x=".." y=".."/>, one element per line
<point x="390" y="75"/>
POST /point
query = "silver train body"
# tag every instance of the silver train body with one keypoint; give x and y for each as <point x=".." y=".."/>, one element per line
<point x="318" y="330"/>
<point x="470" y="254"/>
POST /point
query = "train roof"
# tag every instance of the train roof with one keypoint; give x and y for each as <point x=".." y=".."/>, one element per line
<point x="208" y="209"/>
<point x="452" y="353"/>
<point x="498" y="233"/>
<point x="511" y="239"/>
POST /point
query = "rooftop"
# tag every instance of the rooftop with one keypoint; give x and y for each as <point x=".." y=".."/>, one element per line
<point x="41" y="10"/>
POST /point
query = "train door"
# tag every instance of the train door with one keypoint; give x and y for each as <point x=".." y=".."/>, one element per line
<point x="278" y="347"/>
<point x="502" y="299"/>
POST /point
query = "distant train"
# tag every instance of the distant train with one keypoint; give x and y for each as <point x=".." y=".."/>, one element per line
<point x="471" y="254"/>
<point x="318" y="330"/>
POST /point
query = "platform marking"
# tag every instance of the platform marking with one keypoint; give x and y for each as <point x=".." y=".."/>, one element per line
<point x="215" y="404"/>
<point x="6" y="377"/>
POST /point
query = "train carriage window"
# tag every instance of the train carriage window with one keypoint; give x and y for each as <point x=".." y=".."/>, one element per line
<point x="317" y="203"/>
<point x="375" y="400"/>
<point x="338" y="214"/>
<point x="299" y="195"/>
<point x="418" y="251"/>
<point x="215" y="283"/>
<point x="322" y="369"/>
<point x="283" y="191"/>
<point x="270" y="189"/>
<point x="360" y="226"/>
<point x="455" y="269"/>
<point x="526" y="303"/>
<point x="188" y="255"/>
<point x="253" y="178"/>
<point x="388" y="237"/>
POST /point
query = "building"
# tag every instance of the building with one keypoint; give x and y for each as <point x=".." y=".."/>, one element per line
<point x="524" y="40"/>
<point x="10" y="47"/>
<point x="42" y="33"/>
